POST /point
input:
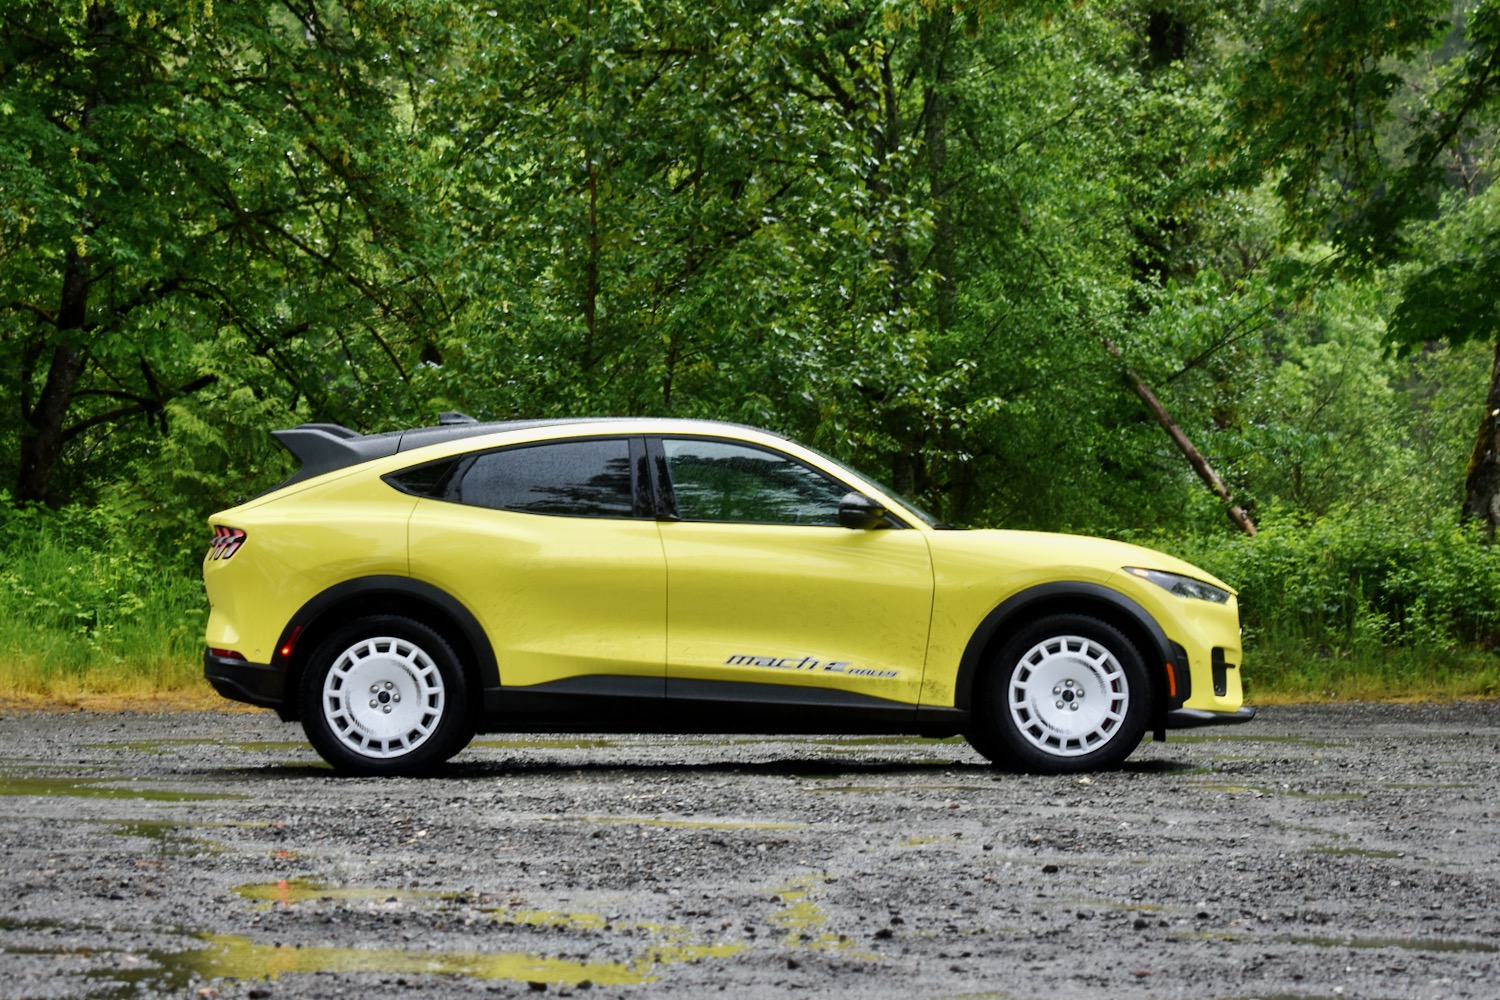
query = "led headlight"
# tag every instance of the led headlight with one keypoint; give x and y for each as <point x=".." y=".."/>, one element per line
<point x="1182" y="586"/>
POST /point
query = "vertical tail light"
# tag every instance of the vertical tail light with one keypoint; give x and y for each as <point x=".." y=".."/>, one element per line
<point x="227" y="542"/>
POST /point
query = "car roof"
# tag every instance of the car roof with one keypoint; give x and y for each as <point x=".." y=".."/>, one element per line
<point x="323" y="448"/>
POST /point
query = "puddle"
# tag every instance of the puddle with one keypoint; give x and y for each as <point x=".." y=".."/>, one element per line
<point x="904" y="760"/>
<point x="545" y="744"/>
<point x="517" y="917"/>
<point x="1427" y="787"/>
<point x="291" y="891"/>
<point x="165" y="746"/>
<point x="905" y="741"/>
<point x="800" y="918"/>
<point x="806" y="923"/>
<point x="1406" y="944"/>
<point x="1358" y="852"/>
<point x="1253" y="738"/>
<point x="228" y="956"/>
<point x="225" y="956"/>
<point x="885" y="789"/>
<point x="93" y="788"/>
<point x="168" y="838"/>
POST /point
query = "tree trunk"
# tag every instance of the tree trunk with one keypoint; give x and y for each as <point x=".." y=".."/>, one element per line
<point x="42" y="441"/>
<point x="1194" y="456"/>
<point x="934" y="41"/>
<point x="1482" y="486"/>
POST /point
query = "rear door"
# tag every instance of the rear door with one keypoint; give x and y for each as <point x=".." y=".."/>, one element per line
<point x="554" y="548"/>
<point x="765" y="590"/>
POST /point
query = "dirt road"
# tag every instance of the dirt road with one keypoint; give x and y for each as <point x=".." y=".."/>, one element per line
<point x="1318" y="852"/>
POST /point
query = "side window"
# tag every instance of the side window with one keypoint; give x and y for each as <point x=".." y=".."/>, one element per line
<point x="589" y="478"/>
<point x="434" y="479"/>
<point x="721" y="481"/>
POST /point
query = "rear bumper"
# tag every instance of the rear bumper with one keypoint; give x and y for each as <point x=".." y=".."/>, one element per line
<point x="1193" y="718"/>
<point x="238" y="680"/>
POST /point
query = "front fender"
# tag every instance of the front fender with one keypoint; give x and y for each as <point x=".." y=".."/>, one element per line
<point x="1074" y="598"/>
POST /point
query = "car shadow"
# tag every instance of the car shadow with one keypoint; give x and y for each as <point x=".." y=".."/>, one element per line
<point x="822" y="767"/>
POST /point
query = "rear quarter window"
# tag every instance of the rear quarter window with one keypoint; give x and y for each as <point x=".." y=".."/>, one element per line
<point x="577" y="478"/>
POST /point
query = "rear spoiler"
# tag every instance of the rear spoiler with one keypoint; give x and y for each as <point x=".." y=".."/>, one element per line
<point x="329" y="447"/>
<point x="323" y="448"/>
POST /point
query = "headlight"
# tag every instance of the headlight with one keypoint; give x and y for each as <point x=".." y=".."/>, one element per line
<point x="1182" y="586"/>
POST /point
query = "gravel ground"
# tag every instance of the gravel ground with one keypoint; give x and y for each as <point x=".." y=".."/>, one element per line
<point x="1317" y="852"/>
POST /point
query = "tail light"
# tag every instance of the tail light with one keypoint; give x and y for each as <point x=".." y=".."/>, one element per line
<point x="227" y="542"/>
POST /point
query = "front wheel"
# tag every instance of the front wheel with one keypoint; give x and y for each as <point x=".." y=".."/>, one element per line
<point x="385" y="695"/>
<point x="1067" y="694"/>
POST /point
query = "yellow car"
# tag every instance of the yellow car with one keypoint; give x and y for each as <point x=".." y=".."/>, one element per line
<point x="405" y="591"/>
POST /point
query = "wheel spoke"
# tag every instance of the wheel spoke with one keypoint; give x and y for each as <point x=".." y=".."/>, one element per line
<point x="383" y="697"/>
<point x="1068" y="696"/>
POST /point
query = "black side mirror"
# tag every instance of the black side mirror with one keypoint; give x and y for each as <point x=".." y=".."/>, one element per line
<point x="859" y="512"/>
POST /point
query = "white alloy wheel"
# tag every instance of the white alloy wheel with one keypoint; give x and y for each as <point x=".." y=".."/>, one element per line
<point x="1068" y="696"/>
<point x="383" y="697"/>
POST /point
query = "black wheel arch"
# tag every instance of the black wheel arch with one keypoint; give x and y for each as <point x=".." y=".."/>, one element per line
<point x="1077" y="598"/>
<point x="394" y="595"/>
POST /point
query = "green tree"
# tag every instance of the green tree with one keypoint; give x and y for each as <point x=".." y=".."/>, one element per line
<point x="197" y="198"/>
<point x="1374" y="120"/>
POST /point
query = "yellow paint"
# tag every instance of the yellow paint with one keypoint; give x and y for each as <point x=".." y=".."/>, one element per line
<point x="884" y="613"/>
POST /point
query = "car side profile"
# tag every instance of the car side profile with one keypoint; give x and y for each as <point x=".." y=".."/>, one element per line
<point x="404" y="591"/>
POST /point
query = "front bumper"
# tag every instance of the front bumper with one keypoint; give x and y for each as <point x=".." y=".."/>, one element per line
<point x="238" y="680"/>
<point x="1193" y="718"/>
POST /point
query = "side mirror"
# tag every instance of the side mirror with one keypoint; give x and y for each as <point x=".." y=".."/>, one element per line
<point x="859" y="512"/>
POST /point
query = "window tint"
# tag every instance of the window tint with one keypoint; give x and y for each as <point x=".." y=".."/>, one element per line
<point x="719" y="481"/>
<point x="570" y="478"/>
<point x="435" y="479"/>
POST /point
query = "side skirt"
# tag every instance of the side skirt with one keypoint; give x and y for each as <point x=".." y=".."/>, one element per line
<point x="649" y="705"/>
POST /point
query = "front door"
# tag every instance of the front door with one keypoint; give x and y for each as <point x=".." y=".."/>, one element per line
<point x="764" y="587"/>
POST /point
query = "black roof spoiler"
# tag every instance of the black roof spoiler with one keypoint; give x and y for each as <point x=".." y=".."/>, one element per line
<point x="328" y="447"/>
<point x="325" y="448"/>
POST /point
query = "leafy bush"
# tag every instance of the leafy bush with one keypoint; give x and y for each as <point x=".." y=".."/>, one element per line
<point x="87" y="605"/>
<point x="1362" y="604"/>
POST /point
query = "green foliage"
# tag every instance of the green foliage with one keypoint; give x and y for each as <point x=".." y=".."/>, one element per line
<point x="195" y="200"/>
<point x="87" y="604"/>
<point x="1315" y="101"/>
<point x="928" y="240"/>
<point x="1348" y="588"/>
<point x="1351" y="605"/>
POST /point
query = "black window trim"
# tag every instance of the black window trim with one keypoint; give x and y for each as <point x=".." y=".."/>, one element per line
<point x="642" y="493"/>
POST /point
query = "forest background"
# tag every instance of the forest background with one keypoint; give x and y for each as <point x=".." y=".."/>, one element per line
<point x="959" y="246"/>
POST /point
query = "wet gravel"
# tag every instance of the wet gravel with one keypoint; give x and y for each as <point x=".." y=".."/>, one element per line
<point x="1345" y="851"/>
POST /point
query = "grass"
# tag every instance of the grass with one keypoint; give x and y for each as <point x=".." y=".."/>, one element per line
<point x="84" y="613"/>
<point x="1300" y="672"/>
<point x="72" y="672"/>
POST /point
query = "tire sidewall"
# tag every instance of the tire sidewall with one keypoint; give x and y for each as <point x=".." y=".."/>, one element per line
<point x="998" y="735"/>
<point x="450" y="734"/>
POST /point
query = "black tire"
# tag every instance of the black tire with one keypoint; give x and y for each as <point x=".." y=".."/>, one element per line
<point x="1066" y="694"/>
<point x="385" y="695"/>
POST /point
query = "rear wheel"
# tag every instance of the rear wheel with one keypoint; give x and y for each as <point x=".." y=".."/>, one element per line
<point x="1067" y="694"/>
<point x="385" y="695"/>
